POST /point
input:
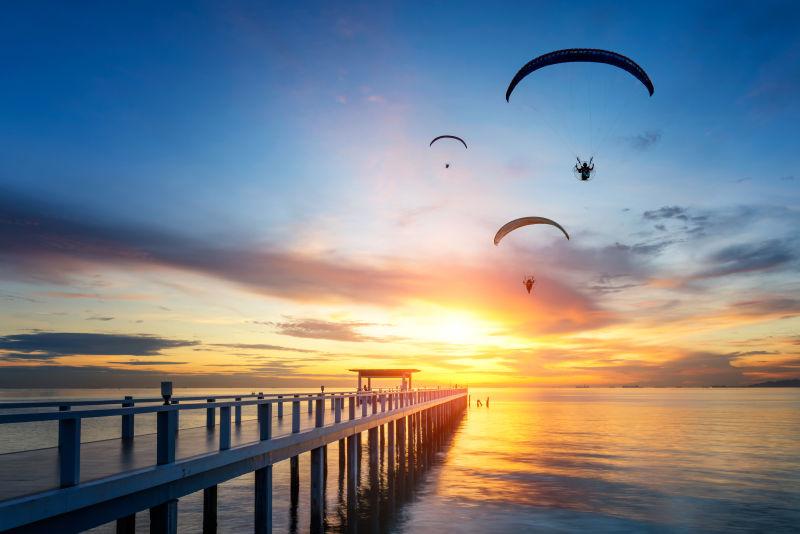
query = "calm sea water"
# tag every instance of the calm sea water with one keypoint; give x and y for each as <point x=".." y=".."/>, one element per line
<point x="557" y="460"/>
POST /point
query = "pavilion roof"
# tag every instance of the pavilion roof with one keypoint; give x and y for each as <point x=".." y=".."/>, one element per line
<point x="384" y="373"/>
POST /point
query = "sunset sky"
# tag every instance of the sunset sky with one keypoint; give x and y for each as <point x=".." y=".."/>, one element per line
<point x="237" y="194"/>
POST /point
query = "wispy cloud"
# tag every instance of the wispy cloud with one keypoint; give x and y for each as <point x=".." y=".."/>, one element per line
<point x="319" y="329"/>
<point x="259" y="346"/>
<point x="644" y="140"/>
<point x="49" y="345"/>
<point x="146" y="362"/>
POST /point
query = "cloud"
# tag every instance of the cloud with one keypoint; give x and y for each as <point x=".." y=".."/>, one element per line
<point x="769" y="306"/>
<point x="100" y="318"/>
<point x="147" y="362"/>
<point x="410" y="216"/>
<point x="749" y="257"/>
<point x="319" y="329"/>
<point x="72" y="376"/>
<point x="613" y="283"/>
<point x="644" y="141"/>
<point x="36" y="246"/>
<point x="258" y="346"/>
<point x="49" y="345"/>
<point x="667" y="212"/>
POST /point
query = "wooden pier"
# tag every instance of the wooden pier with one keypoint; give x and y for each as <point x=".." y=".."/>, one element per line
<point x="77" y="486"/>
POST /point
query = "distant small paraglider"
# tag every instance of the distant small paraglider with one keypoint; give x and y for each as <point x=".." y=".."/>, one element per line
<point x="447" y="165"/>
<point x="528" y="283"/>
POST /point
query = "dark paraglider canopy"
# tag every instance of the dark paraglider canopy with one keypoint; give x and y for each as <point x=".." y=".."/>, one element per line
<point x="449" y="137"/>
<point x="585" y="55"/>
<point x="525" y="221"/>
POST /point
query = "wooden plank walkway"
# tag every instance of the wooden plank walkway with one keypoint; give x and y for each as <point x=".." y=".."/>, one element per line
<point x="28" y="472"/>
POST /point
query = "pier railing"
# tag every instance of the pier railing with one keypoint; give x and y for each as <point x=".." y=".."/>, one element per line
<point x="73" y="504"/>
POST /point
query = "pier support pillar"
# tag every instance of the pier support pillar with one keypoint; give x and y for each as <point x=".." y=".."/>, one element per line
<point x="210" y="510"/>
<point x="263" y="508"/>
<point x="372" y="437"/>
<point x="352" y="472"/>
<point x="164" y="518"/>
<point x="390" y="446"/>
<point x="317" y="500"/>
<point x="263" y="476"/>
<point x="294" y="491"/>
<point x="127" y="524"/>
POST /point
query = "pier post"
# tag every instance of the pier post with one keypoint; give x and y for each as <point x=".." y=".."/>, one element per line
<point x="126" y="525"/>
<point x="310" y="403"/>
<point x="352" y="459"/>
<point x="165" y="437"/>
<point x="69" y="450"/>
<point x="401" y="441"/>
<point x="372" y="439"/>
<point x="364" y="406"/>
<point x="280" y="407"/>
<point x="296" y="414"/>
<point x="238" y="412"/>
<point x="177" y="416"/>
<point x="127" y="420"/>
<point x="411" y="452"/>
<point x="210" y="416"/>
<point x="337" y="414"/>
<point x="263" y="476"/>
<point x="294" y="491"/>
<point x="224" y="428"/>
<point x="210" y="510"/>
<point x="317" y="473"/>
<point x="164" y="516"/>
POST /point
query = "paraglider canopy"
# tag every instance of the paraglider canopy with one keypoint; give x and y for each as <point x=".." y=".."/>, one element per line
<point x="448" y="137"/>
<point x="525" y="221"/>
<point x="589" y="55"/>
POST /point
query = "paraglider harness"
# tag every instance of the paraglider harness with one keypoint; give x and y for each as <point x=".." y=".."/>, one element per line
<point x="584" y="168"/>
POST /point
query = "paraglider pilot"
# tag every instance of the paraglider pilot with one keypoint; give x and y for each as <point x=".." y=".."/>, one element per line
<point x="584" y="168"/>
<point x="528" y="283"/>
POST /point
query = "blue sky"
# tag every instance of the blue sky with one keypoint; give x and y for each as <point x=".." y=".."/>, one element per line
<point x="273" y="161"/>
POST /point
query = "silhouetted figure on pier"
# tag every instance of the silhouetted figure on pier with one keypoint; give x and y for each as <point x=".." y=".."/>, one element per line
<point x="322" y="389"/>
<point x="487" y="402"/>
<point x="478" y="403"/>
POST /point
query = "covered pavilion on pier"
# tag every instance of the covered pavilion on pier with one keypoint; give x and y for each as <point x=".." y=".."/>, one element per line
<point x="369" y="374"/>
